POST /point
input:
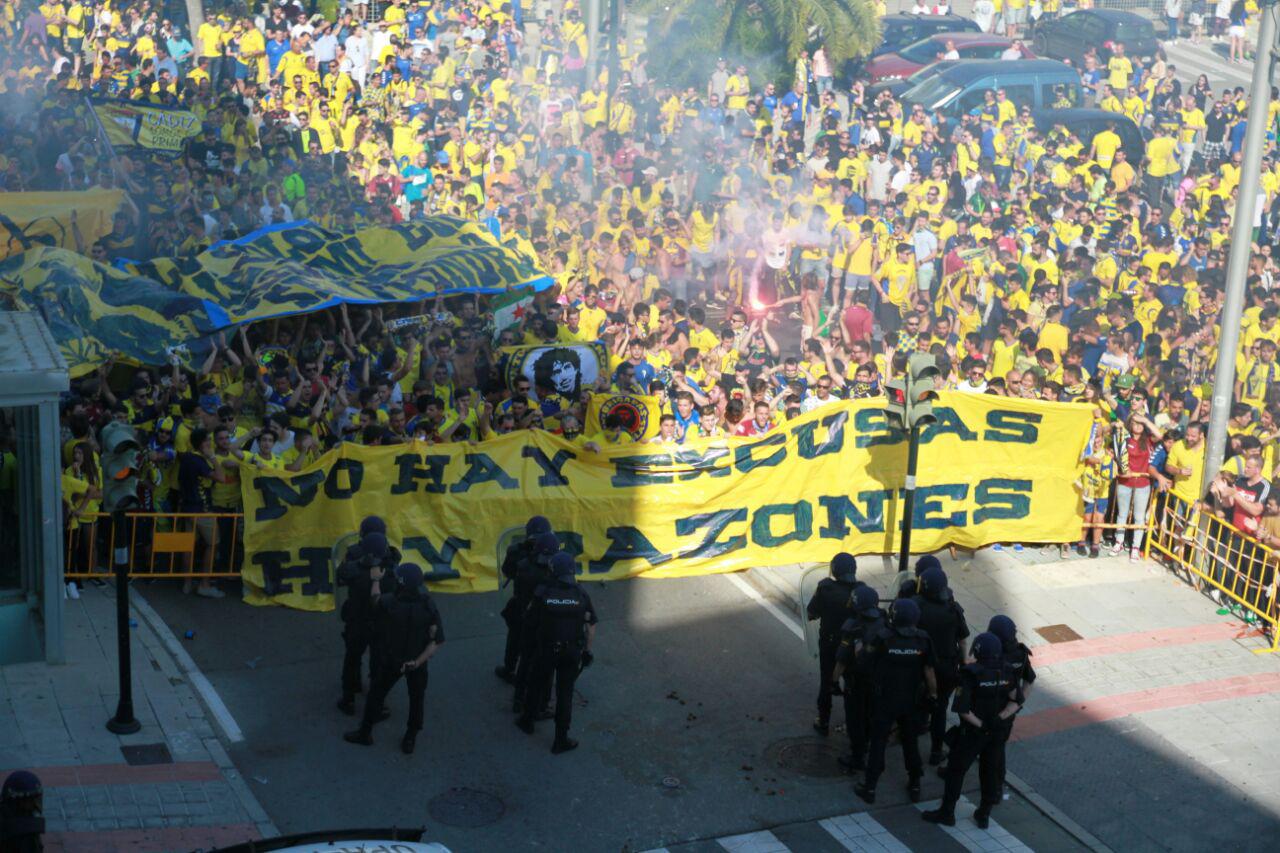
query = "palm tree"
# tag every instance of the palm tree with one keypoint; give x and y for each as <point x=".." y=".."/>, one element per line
<point x="686" y="36"/>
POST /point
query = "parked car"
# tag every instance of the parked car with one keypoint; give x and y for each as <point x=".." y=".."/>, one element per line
<point x="897" y="87"/>
<point x="902" y="63"/>
<point x="898" y="31"/>
<point x="1088" y="123"/>
<point x="1034" y="83"/>
<point x="1071" y="36"/>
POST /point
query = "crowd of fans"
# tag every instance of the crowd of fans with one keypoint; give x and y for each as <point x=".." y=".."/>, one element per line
<point x="747" y="249"/>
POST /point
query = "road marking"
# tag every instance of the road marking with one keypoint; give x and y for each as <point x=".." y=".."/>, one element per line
<point x="994" y="839"/>
<point x="1049" y="654"/>
<point x="1113" y="707"/>
<point x="778" y="613"/>
<point x="82" y="775"/>
<point x="763" y="841"/>
<point x="862" y="832"/>
<point x="212" y="701"/>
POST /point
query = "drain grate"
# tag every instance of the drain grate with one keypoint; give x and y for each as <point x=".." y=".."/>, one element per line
<point x="146" y="753"/>
<point x="466" y="807"/>
<point x="807" y="757"/>
<point x="1058" y="633"/>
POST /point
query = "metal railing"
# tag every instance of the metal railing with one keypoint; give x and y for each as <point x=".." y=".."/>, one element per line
<point x="1217" y="556"/>
<point x="160" y="545"/>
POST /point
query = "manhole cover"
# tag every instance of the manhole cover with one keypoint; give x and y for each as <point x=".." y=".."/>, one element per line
<point x="146" y="753"/>
<point x="1058" y="633"/>
<point x="807" y="757"/>
<point x="465" y="807"/>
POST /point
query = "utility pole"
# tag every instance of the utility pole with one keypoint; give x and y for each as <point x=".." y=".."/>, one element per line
<point x="615" y="35"/>
<point x="909" y="410"/>
<point x="1224" y="375"/>
<point x="593" y="40"/>
<point x="195" y="17"/>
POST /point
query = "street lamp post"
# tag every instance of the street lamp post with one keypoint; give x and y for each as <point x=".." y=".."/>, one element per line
<point x="1224" y="374"/>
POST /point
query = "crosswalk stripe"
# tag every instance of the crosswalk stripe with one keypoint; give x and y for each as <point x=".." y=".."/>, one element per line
<point x="994" y="839"/>
<point x="763" y="841"/>
<point x="861" y="832"/>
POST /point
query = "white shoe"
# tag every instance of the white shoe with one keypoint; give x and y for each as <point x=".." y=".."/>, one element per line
<point x="1135" y="556"/>
<point x="73" y="591"/>
<point x="210" y="592"/>
<point x="1117" y="549"/>
<point x="1216" y="595"/>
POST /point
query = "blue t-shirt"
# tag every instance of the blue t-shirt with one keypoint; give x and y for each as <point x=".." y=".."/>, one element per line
<point x="417" y="180"/>
<point x="275" y="50"/>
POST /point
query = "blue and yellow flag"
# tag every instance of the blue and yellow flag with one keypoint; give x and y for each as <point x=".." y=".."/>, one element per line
<point x="143" y="311"/>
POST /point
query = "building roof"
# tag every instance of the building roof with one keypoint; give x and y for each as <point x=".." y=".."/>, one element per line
<point x="30" y="362"/>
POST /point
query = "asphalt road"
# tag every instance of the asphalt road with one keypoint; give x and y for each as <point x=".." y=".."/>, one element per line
<point x="694" y="724"/>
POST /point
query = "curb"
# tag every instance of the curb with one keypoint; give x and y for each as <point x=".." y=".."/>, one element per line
<point x="209" y="699"/>
<point x="1053" y="813"/>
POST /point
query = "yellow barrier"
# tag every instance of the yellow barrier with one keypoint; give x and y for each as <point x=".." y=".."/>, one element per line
<point x="160" y="545"/>
<point x="1213" y="553"/>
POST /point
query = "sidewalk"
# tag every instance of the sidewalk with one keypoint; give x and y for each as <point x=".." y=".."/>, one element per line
<point x="1138" y="675"/>
<point x="170" y="786"/>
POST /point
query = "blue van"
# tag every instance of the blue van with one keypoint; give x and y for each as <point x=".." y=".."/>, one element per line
<point x="960" y="89"/>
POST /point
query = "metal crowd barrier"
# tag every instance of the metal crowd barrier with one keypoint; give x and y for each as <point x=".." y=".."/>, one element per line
<point x="160" y="545"/>
<point x="1216" y="555"/>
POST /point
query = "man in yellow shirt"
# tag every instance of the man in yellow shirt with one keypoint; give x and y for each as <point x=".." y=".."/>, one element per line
<point x="895" y="284"/>
<point x="1105" y="145"/>
<point x="1119" y="69"/>
<point x="1162" y="163"/>
<point x="1186" y="464"/>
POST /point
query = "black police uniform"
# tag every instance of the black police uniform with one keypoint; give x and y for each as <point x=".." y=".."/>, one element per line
<point x="831" y="604"/>
<point x="558" y="615"/>
<point x="943" y="618"/>
<point x="531" y="575"/>
<point x="513" y="569"/>
<point x="357" y="616"/>
<point x="405" y="623"/>
<point x="984" y="690"/>
<point x="855" y="634"/>
<point x="1018" y="660"/>
<point x="897" y="660"/>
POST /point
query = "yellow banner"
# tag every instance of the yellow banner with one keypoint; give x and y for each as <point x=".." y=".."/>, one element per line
<point x="28" y="220"/>
<point x="129" y="124"/>
<point x="640" y="414"/>
<point x="993" y="469"/>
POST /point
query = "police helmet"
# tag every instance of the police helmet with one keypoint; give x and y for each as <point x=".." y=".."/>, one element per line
<point x="21" y="784"/>
<point x="1002" y="626"/>
<point x="906" y="613"/>
<point x="987" y="647"/>
<point x="547" y="543"/>
<point x="933" y="583"/>
<point x="409" y="575"/>
<point x="844" y="567"/>
<point x="563" y="568"/>
<point x="536" y="526"/>
<point x="373" y="547"/>
<point x="928" y="561"/>
<point x="372" y="524"/>
<point x="866" y="600"/>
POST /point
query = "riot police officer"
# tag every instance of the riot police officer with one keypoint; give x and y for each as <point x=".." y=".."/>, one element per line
<point x="867" y="622"/>
<point x="1018" y="658"/>
<point x="901" y="663"/>
<point x="368" y="572"/>
<point x="831" y="604"/>
<point x="943" y="618"/>
<point x="410" y="632"/>
<point x="530" y="575"/>
<point x="564" y="622"/>
<point x="986" y="700"/>
<point x="519" y="554"/>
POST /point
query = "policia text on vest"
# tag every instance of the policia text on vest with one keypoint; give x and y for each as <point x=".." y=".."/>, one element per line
<point x="992" y="469"/>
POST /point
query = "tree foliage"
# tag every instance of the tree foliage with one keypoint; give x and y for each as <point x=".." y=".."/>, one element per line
<point x="686" y="36"/>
